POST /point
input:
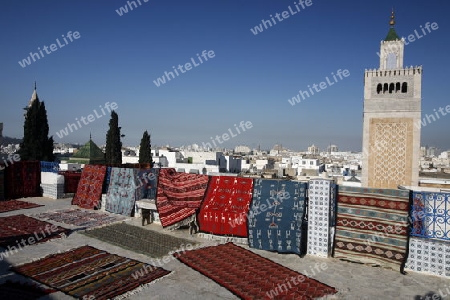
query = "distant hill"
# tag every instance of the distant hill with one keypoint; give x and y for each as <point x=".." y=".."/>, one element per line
<point x="6" y="140"/>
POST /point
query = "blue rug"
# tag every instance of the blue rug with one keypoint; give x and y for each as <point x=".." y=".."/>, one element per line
<point x="120" y="198"/>
<point x="276" y="215"/>
<point x="147" y="184"/>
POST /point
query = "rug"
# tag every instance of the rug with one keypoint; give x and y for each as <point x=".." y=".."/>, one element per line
<point x="321" y="217"/>
<point x="16" y="205"/>
<point x="148" y="184"/>
<point x="121" y="196"/>
<point x="14" y="290"/>
<point x="372" y="226"/>
<point x="430" y="215"/>
<point x="71" y="181"/>
<point x="78" y="217"/>
<point x="22" y="180"/>
<point x="90" y="273"/>
<point x="250" y="276"/>
<point x="429" y="256"/>
<point x="276" y="215"/>
<point x="225" y="207"/>
<point x="89" y="191"/>
<point x="19" y="231"/>
<point x="179" y="197"/>
<point x="137" y="239"/>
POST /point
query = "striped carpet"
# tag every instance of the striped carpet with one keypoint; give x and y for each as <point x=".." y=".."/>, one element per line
<point x="372" y="226"/>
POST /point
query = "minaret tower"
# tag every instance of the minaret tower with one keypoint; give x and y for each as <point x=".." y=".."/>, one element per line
<point x="392" y="112"/>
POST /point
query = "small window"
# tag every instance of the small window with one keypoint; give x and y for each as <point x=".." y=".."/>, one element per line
<point x="397" y="87"/>
<point x="379" y="88"/>
<point x="385" y="88"/>
<point x="404" y="87"/>
<point x="391" y="88"/>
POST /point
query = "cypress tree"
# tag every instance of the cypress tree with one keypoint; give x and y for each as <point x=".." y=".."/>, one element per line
<point x="145" y="152"/>
<point x="113" y="150"/>
<point x="36" y="145"/>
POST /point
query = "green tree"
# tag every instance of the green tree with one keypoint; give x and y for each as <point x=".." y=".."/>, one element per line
<point x="145" y="151"/>
<point x="36" y="145"/>
<point x="113" y="151"/>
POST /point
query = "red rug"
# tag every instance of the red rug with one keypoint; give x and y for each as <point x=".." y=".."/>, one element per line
<point x="89" y="191"/>
<point x="251" y="276"/>
<point x="10" y="290"/>
<point x="179" y="196"/>
<point x="90" y="273"/>
<point x="225" y="207"/>
<point x="20" y="231"/>
<point x="23" y="179"/>
<point x="16" y="205"/>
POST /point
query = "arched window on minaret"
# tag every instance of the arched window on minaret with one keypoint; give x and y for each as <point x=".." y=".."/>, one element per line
<point x="391" y="61"/>
<point x="397" y="87"/>
<point x="385" y="88"/>
<point x="404" y="87"/>
<point x="391" y="88"/>
<point x="379" y="88"/>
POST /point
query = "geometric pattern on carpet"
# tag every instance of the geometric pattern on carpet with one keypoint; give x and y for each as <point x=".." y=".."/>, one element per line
<point x="276" y="215"/>
<point x="14" y="290"/>
<point x="90" y="273"/>
<point x="372" y="226"/>
<point x="16" y="205"/>
<point x="179" y="197"/>
<point x="251" y="276"/>
<point x="89" y="191"/>
<point x="429" y="256"/>
<point x="430" y="214"/>
<point x="20" y="230"/>
<point x="321" y="216"/>
<point x="78" y="217"/>
<point x="226" y="205"/>
<point x="121" y="195"/>
<point x="137" y="239"/>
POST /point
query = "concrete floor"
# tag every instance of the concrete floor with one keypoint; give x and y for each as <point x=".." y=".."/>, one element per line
<point x="353" y="281"/>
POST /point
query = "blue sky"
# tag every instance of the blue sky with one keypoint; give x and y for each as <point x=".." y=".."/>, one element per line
<point x="250" y="78"/>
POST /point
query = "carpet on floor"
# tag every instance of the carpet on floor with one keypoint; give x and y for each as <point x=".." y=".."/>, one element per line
<point x="372" y="226"/>
<point x="137" y="239"/>
<point x="19" y="231"/>
<point x="90" y="273"/>
<point x="78" y="217"/>
<point x="251" y="276"/>
<point x="89" y="191"/>
<point x="276" y="215"/>
<point x="179" y="197"/>
<point x="15" y="290"/>
<point x="11" y="205"/>
<point x="226" y="205"/>
<point x="121" y="195"/>
<point x="430" y="215"/>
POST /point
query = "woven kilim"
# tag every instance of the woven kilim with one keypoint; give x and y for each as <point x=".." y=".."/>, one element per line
<point x="430" y="214"/>
<point x="321" y="216"/>
<point x="16" y="205"/>
<point x="90" y="273"/>
<point x="2" y="182"/>
<point x="89" y="191"/>
<point x="276" y="215"/>
<point x="121" y="194"/>
<point x="78" y="217"/>
<point x="225" y="207"/>
<point x="179" y="197"/>
<point x="372" y="226"/>
<point x="137" y="239"/>
<point x="148" y="184"/>
<point x="20" y="231"/>
<point x="429" y="256"/>
<point x="14" y="290"/>
<point x="250" y="276"/>
<point x="22" y="180"/>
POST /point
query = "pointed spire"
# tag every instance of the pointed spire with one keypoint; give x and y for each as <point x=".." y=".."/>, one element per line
<point x="34" y="96"/>
<point x="392" y="35"/>
<point x="90" y="136"/>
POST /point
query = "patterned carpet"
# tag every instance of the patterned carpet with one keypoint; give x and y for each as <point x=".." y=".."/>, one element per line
<point x="78" y="217"/>
<point x="89" y="191"/>
<point x="179" y="197"/>
<point x="19" y="231"/>
<point x="372" y="226"/>
<point x="276" y="215"/>
<point x="16" y="205"/>
<point x="13" y="290"/>
<point x="121" y="195"/>
<point x="250" y="276"/>
<point x="225" y="207"/>
<point x="90" y="273"/>
<point x="137" y="239"/>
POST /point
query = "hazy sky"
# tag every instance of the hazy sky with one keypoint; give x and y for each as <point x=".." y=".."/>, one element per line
<point x="247" y="77"/>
